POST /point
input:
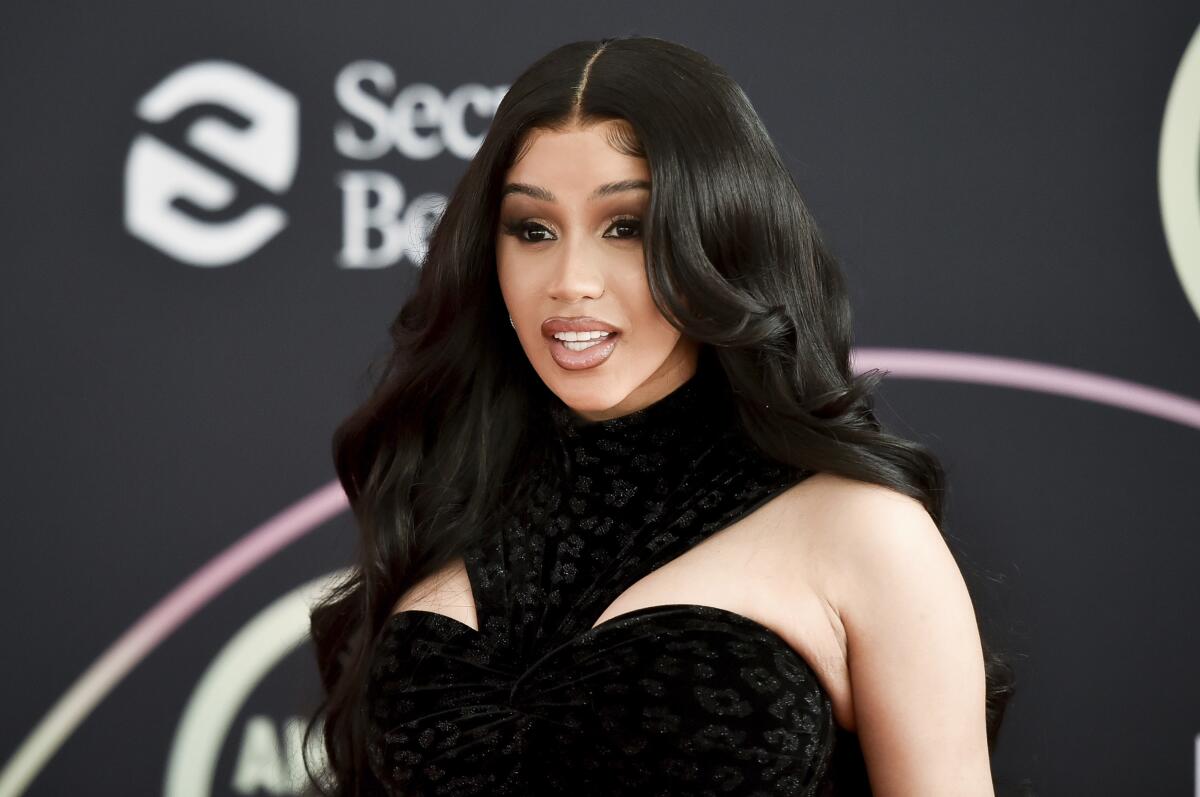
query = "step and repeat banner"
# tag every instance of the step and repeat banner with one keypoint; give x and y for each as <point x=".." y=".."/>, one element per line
<point x="212" y="212"/>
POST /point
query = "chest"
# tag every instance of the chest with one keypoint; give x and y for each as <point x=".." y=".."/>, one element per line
<point x="764" y="568"/>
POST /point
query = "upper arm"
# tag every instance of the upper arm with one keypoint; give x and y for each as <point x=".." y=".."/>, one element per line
<point x="914" y="652"/>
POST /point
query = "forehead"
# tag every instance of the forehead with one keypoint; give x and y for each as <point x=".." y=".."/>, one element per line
<point x="575" y="158"/>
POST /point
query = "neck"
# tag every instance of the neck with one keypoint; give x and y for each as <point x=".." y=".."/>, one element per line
<point x="666" y="432"/>
<point x="669" y="376"/>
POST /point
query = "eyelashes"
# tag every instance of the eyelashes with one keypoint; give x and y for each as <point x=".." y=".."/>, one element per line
<point x="519" y="227"/>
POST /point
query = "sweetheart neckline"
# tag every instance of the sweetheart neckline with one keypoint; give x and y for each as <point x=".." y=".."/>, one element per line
<point x="734" y="618"/>
<point x="703" y="607"/>
<point x="634" y="614"/>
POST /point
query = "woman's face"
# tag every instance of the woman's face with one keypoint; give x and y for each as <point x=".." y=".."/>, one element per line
<point x="569" y="247"/>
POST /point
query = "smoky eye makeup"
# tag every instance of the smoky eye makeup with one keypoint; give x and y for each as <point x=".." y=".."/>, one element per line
<point x="519" y="227"/>
<point x="529" y="231"/>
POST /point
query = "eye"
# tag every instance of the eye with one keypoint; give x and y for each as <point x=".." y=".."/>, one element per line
<point x="519" y="228"/>
<point x="524" y="229"/>
<point x="626" y="223"/>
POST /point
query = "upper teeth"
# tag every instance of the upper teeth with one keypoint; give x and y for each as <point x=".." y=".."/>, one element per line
<point x="589" y="335"/>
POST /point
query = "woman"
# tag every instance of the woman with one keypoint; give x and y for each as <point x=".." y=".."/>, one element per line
<point x="628" y="522"/>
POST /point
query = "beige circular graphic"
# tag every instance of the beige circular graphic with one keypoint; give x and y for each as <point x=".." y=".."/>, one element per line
<point x="1179" y="171"/>
<point x="235" y="671"/>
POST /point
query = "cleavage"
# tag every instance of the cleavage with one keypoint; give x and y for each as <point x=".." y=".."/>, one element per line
<point x="682" y="581"/>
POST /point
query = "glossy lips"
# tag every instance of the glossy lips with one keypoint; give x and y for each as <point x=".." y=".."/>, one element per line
<point x="590" y="357"/>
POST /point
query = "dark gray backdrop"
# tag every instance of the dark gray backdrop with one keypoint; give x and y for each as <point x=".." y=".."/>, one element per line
<point x="986" y="174"/>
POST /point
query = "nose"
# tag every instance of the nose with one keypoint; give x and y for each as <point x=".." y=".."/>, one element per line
<point x="578" y="274"/>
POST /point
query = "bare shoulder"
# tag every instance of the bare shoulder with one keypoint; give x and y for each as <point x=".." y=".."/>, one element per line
<point x="804" y="569"/>
<point x="913" y="648"/>
<point x="851" y="529"/>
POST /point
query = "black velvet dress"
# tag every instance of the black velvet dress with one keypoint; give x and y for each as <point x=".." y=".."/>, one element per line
<point x="676" y="699"/>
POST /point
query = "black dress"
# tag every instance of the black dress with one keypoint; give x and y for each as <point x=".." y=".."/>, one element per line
<point x="676" y="699"/>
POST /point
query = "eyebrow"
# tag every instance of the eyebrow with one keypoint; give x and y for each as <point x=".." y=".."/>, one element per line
<point x="608" y="189"/>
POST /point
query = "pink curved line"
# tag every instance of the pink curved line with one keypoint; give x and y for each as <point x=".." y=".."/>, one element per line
<point x="258" y="545"/>
<point x="287" y="526"/>
<point x="1032" y="376"/>
<point x="162" y="620"/>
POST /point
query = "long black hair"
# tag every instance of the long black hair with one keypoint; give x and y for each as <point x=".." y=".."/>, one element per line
<point x="734" y="260"/>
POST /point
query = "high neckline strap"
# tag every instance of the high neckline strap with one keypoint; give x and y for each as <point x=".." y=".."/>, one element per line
<point x="694" y="409"/>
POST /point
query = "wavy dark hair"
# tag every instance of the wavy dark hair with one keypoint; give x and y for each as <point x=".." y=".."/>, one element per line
<point x="734" y="260"/>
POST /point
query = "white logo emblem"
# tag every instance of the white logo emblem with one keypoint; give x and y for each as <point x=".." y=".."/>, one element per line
<point x="157" y="174"/>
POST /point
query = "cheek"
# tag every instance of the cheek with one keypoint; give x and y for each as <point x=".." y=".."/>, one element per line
<point x="634" y="290"/>
<point x="507" y="275"/>
<point x="662" y="336"/>
<point x="502" y="259"/>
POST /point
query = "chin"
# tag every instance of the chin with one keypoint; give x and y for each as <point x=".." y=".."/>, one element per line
<point x="586" y="391"/>
<point x="582" y="400"/>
